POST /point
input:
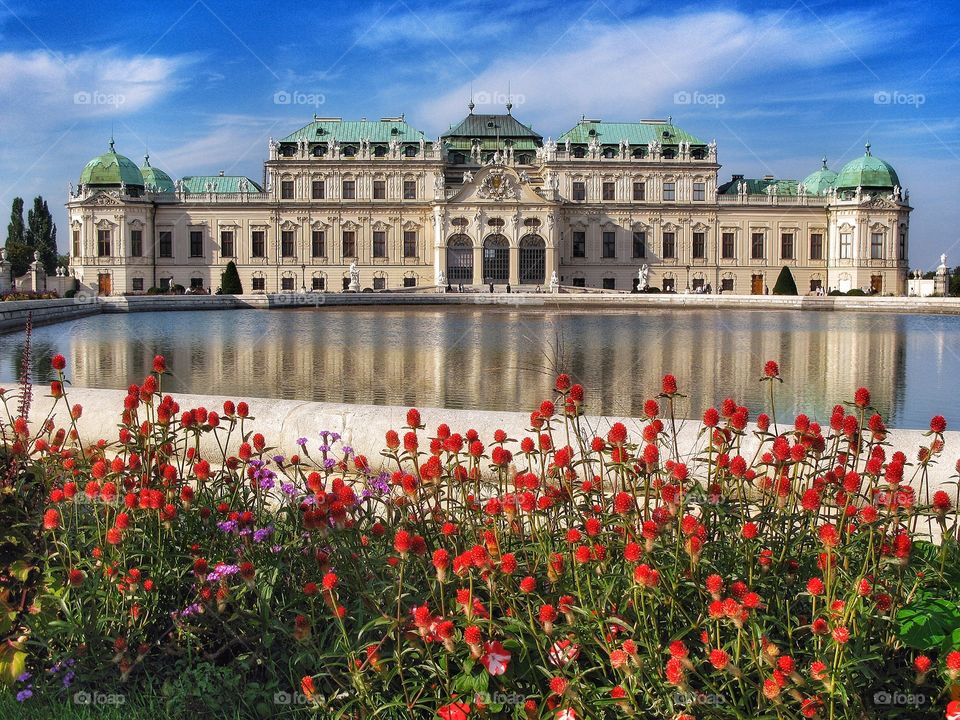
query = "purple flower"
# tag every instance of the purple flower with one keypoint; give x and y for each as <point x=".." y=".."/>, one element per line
<point x="194" y="609"/>
<point x="275" y="549"/>
<point x="334" y="436"/>
<point x="288" y="488"/>
<point x="329" y="463"/>
<point x="24" y="677"/>
<point x="222" y="571"/>
<point x="324" y="448"/>
<point x="227" y="526"/>
<point x="68" y="678"/>
<point x="278" y="459"/>
<point x="24" y="695"/>
<point x="262" y="534"/>
<point x="302" y="442"/>
<point x="347" y="450"/>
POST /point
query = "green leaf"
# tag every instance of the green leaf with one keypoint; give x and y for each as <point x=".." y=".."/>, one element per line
<point x="926" y="622"/>
<point x="20" y="569"/>
<point x="13" y="662"/>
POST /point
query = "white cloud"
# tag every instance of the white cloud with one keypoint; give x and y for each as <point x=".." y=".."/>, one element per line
<point x="39" y="89"/>
<point x="628" y="70"/>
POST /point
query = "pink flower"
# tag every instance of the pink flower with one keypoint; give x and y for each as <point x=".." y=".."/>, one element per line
<point x="567" y="714"/>
<point x="563" y="652"/>
<point x="495" y="657"/>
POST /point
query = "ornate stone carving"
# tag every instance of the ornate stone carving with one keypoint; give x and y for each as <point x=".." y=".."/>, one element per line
<point x="498" y="185"/>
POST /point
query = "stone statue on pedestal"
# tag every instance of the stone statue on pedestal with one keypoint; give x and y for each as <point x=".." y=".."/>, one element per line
<point x="354" y="277"/>
<point x="554" y="283"/>
<point x="643" y="277"/>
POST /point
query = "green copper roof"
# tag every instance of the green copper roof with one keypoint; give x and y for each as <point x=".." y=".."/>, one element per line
<point x="491" y="144"/>
<point x="638" y="133"/>
<point x="218" y="184"/>
<point x="759" y="187"/>
<point x="111" y="168"/>
<point x="867" y="172"/>
<point x="353" y="131"/>
<point x="155" y="179"/>
<point x="818" y="182"/>
<point x="492" y="126"/>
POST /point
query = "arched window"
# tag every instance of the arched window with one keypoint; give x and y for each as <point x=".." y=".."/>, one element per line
<point x="349" y="151"/>
<point x="640" y="152"/>
<point x="579" y="152"/>
<point x="380" y="151"/>
<point x="410" y="151"/>
<point x="320" y="150"/>
<point x="533" y="260"/>
<point x="460" y="259"/>
<point x="496" y="259"/>
<point x="609" y="153"/>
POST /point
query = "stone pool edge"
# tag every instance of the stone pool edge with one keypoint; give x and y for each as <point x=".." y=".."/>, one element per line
<point x="13" y="314"/>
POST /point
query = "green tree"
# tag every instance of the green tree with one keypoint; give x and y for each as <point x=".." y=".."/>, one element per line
<point x="18" y="252"/>
<point x="955" y="281"/>
<point x="785" y="284"/>
<point x="230" y="280"/>
<point x="41" y="234"/>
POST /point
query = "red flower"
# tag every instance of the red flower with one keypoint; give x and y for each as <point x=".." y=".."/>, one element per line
<point x="329" y="581"/>
<point x="402" y="542"/>
<point x="669" y="385"/>
<point x="617" y="434"/>
<point x="815" y="587"/>
<point x="114" y="536"/>
<point x="454" y="711"/>
<point x="563" y="382"/>
<point x="495" y="657"/>
<point x="76" y="577"/>
<point x="922" y="664"/>
<point x="58" y="362"/>
<point x="719" y="658"/>
<point x="528" y="584"/>
<point x="558" y="685"/>
<point x="771" y="369"/>
<point x="159" y="364"/>
<point x="842" y="635"/>
<point x="51" y="519"/>
<point x="472" y="635"/>
<point x="953" y="664"/>
<point x="938" y="424"/>
<point x="413" y="418"/>
<point x="861" y="397"/>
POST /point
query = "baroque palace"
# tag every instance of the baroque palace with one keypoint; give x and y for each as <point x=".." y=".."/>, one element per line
<point x="607" y="205"/>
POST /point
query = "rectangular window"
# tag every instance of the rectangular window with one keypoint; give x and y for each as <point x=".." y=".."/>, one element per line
<point x="346" y="283"/>
<point x="379" y="243"/>
<point x="639" y="191"/>
<point x="258" y="244"/>
<point x="699" y="245"/>
<point x="756" y="246"/>
<point x="609" y="244"/>
<point x="727" y="245"/>
<point x="579" y="244"/>
<point x="286" y="189"/>
<point x="103" y="243"/>
<point x="846" y="246"/>
<point x="349" y="190"/>
<point x="609" y="191"/>
<point x="165" y="284"/>
<point x="379" y="283"/>
<point x="317" y="190"/>
<point x="699" y="192"/>
<point x="138" y="284"/>
<point x="259" y="283"/>
<point x="726" y="284"/>
<point x="786" y="246"/>
<point x="379" y="189"/>
<point x="286" y="243"/>
<point x="669" y="246"/>
<point x="903" y="246"/>
<point x="136" y="243"/>
<point x="286" y="283"/>
<point x="669" y="191"/>
<point x="579" y="191"/>
<point x="196" y="243"/>
<point x="165" y="241"/>
<point x="318" y="243"/>
<point x="639" y="244"/>
<point x="409" y="243"/>
<point x="669" y="285"/>
<point x="76" y="243"/>
<point x="349" y="244"/>
<point x="409" y="282"/>
<point x="318" y="283"/>
<point x="816" y="246"/>
<point x="876" y="246"/>
<point x="196" y="283"/>
<point x="609" y="284"/>
<point x="409" y="189"/>
<point x="579" y="282"/>
<point x="226" y="243"/>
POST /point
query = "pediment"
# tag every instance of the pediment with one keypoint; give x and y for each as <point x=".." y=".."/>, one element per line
<point x="880" y="203"/>
<point x="102" y="198"/>
<point x="497" y="184"/>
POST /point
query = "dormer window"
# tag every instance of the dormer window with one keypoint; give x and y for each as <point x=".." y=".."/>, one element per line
<point x="640" y="152"/>
<point x="320" y="150"/>
<point x="669" y="153"/>
<point x="609" y="153"/>
<point x="287" y="150"/>
<point x="349" y="151"/>
<point x="579" y="152"/>
<point x="380" y="151"/>
<point x="410" y="151"/>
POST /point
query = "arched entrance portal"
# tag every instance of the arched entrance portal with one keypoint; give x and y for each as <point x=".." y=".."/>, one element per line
<point x="460" y="259"/>
<point x="496" y="259"/>
<point x="533" y="260"/>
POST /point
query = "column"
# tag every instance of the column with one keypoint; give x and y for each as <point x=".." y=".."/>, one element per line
<point x="438" y="255"/>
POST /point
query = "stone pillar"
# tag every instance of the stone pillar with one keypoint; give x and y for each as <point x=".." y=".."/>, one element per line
<point x="478" y="262"/>
<point x="438" y="255"/>
<point x="514" y="266"/>
<point x="941" y="280"/>
<point x="5" y="281"/>
<point x="37" y="274"/>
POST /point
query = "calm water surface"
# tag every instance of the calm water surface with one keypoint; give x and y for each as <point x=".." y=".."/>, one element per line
<point x="496" y="358"/>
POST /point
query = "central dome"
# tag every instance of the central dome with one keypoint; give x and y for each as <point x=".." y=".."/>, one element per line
<point x="155" y="179"/>
<point x="111" y="169"/>
<point x="868" y="172"/>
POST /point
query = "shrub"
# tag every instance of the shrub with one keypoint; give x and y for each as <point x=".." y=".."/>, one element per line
<point x="565" y="574"/>
<point x="856" y="292"/>
<point x="836" y="293"/>
<point x="785" y="284"/>
<point x="230" y="280"/>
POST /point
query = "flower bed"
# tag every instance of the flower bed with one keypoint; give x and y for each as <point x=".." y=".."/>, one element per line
<point x="558" y="575"/>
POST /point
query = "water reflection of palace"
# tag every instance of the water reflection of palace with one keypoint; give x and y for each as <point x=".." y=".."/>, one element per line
<point x="495" y="358"/>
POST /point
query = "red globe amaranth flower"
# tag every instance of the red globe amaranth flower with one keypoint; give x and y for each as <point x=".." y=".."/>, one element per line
<point x="58" y="362"/>
<point x="159" y="364"/>
<point x="771" y="369"/>
<point x="938" y="424"/>
<point x="669" y="385"/>
<point x="719" y="658"/>
<point x="51" y="519"/>
<point x="861" y="398"/>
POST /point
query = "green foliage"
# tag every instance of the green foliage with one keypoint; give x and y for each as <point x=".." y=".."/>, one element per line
<point x="18" y="252"/>
<point x="785" y="284"/>
<point x="41" y="234"/>
<point x="856" y="292"/>
<point x="230" y="280"/>
<point x="927" y="622"/>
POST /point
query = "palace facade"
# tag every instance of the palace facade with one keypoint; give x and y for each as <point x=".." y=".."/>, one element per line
<point x="490" y="201"/>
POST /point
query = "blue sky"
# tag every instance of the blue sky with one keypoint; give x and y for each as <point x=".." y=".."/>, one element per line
<point x="777" y="84"/>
